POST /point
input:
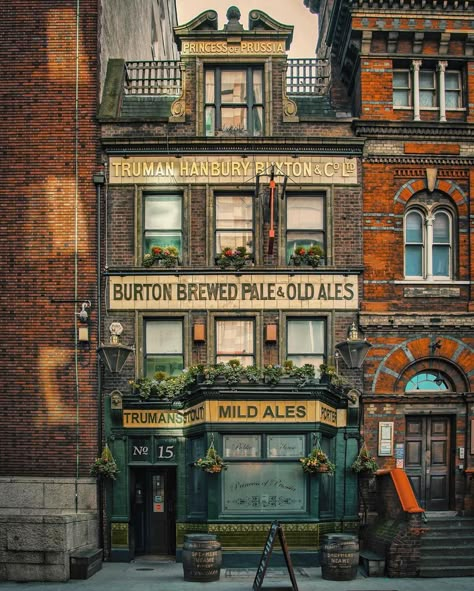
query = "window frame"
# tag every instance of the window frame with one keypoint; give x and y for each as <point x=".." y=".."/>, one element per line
<point x="308" y="318"/>
<point x="146" y="320"/>
<point x="235" y="194"/>
<point x="143" y="223"/>
<point x="287" y="230"/>
<point x="429" y="243"/>
<point x="233" y="318"/>
<point x="250" y="104"/>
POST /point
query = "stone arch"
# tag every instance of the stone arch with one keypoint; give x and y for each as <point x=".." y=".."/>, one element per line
<point x="453" y="358"/>
<point x="408" y="189"/>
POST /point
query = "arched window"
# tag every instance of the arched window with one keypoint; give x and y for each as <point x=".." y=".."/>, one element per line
<point x="428" y="244"/>
<point x="427" y="381"/>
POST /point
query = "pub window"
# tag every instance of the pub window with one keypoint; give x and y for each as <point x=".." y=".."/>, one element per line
<point x="233" y="101"/>
<point x="163" y="222"/>
<point x="234" y="222"/>
<point x="306" y="339"/>
<point x="235" y="339"/>
<point x="428" y="244"/>
<point x="304" y="222"/>
<point x="164" y="350"/>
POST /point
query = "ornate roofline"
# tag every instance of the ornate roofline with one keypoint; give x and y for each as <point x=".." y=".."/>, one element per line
<point x="403" y="130"/>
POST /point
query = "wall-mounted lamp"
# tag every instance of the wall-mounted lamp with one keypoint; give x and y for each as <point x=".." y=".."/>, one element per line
<point x="114" y="355"/>
<point x="271" y="333"/>
<point x="199" y="333"/>
<point x="83" y="328"/>
<point x="354" y="350"/>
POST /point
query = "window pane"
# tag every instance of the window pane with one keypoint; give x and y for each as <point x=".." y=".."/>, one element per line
<point x="163" y="212"/>
<point x="414" y="228"/>
<point x="305" y="212"/>
<point x="210" y="86"/>
<point x="413" y="261"/>
<point x="172" y="365"/>
<point x="233" y="211"/>
<point x="452" y="100"/>
<point x="164" y="336"/>
<point x="451" y="81"/>
<point x="305" y="336"/>
<point x="441" y="261"/>
<point x="234" y="337"/>
<point x="257" y="86"/>
<point x="234" y="240"/>
<point x="162" y="239"/>
<point x="427" y="89"/>
<point x="233" y="86"/>
<point x="257" y="122"/>
<point x="441" y="229"/>
<point x="234" y="118"/>
<point x="210" y="117"/>
<point x="401" y="98"/>
<point x="305" y="239"/>
<point x="401" y="79"/>
<point x="427" y="380"/>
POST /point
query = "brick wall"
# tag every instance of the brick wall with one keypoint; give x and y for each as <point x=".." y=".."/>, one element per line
<point x="42" y="200"/>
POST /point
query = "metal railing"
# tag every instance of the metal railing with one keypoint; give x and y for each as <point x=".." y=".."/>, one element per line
<point x="307" y="76"/>
<point x="303" y="77"/>
<point x="160" y="77"/>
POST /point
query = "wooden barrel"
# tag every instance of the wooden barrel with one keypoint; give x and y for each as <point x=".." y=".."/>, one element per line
<point x="202" y="557"/>
<point x="339" y="557"/>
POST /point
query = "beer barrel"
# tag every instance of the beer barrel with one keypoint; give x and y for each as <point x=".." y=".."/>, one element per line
<point x="202" y="557"/>
<point x="339" y="557"/>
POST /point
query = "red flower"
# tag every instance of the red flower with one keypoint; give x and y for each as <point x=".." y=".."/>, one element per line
<point x="156" y="250"/>
<point x="228" y="252"/>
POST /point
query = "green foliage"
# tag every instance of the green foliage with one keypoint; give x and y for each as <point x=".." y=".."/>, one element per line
<point x="168" y="256"/>
<point x="364" y="462"/>
<point x="307" y="256"/>
<point x="233" y="258"/>
<point x="105" y="466"/>
<point x="316" y="462"/>
<point x="211" y="462"/>
<point x="166" y="387"/>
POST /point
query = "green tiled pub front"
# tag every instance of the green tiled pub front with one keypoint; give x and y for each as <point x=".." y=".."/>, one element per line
<point x="160" y="496"/>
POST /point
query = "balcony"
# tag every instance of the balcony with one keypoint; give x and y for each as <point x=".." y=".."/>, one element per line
<point x="304" y="77"/>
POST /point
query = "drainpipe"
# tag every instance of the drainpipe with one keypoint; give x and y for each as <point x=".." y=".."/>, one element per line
<point x="99" y="180"/>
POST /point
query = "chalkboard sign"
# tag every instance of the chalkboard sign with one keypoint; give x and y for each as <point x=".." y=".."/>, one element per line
<point x="275" y="530"/>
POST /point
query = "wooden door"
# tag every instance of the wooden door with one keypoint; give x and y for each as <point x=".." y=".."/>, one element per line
<point x="428" y="460"/>
<point x="161" y="511"/>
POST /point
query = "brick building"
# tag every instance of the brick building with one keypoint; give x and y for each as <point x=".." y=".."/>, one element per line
<point x="408" y="74"/>
<point x="234" y="149"/>
<point x="50" y="151"/>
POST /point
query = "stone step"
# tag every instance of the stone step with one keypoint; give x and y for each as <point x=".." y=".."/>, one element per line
<point x="446" y="549"/>
<point x="429" y="560"/>
<point x="443" y="571"/>
<point x="438" y="538"/>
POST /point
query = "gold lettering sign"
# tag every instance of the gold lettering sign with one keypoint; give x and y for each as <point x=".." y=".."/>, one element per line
<point x="249" y="292"/>
<point x="225" y="169"/>
<point x="222" y="48"/>
<point x="230" y="411"/>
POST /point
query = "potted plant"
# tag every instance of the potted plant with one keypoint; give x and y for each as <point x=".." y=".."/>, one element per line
<point x="212" y="463"/>
<point x="317" y="462"/>
<point x="303" y="255"/>
<point x="166" y="256"/>
<point x="105" y="465"/>
<point x="364" y="462"/>
<point x="236" y="258"/>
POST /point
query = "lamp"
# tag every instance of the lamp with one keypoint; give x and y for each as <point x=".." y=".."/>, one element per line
<point x="353" y="349"/>
<point x="114" y="355"/>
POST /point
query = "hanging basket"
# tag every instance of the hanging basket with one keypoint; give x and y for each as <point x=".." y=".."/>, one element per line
<point x="364" y="464"/>
<point x="317" y="462"/>
<point x="212" y="463"/>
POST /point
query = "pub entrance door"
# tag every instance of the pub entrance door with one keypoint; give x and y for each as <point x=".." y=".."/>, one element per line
<point x="428" y="460"/>
<point x="154" y="510"/>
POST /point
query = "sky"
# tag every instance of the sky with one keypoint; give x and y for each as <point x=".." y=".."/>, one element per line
<point x="288" y="12"/>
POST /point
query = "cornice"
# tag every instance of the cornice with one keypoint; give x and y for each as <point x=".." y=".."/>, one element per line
<point x="350" y="147"/>
<point x="408" y="5"/>
<point x="393" y="130"/>
<point x="419" y="159"/>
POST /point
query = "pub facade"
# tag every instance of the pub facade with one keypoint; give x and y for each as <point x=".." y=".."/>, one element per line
<point x="232" y="261"/>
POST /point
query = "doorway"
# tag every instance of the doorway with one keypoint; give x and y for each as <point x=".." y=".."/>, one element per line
<point x="428" y="457"/>
<point x="153" y="512"/>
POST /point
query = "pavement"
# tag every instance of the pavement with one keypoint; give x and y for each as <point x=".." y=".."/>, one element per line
<point x="153" y="575"/>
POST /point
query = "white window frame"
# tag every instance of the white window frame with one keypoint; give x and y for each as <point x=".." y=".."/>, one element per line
<point x="428" y="243"/>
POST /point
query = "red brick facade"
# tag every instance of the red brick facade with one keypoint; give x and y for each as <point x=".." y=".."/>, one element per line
<point x="48" y="241"/>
